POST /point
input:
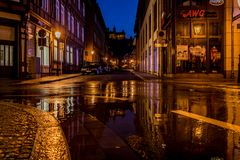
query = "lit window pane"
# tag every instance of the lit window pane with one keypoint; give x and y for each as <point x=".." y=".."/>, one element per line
<point x="6" y="55"/>
<point x="11" y="55"/>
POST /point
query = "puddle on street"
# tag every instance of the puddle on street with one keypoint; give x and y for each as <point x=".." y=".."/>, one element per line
<point x="141" y="114"/>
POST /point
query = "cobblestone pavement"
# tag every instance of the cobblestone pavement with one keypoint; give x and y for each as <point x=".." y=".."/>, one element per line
<point x="27" y="133"/>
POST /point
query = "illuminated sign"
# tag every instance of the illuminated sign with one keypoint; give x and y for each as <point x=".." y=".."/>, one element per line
<point x="216" y="2"/>
<point x="197" y="13"/>
<point x="193" y="13"/>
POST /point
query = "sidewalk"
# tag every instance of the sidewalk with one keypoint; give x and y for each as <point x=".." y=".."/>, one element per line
<point x="49" y="79"/>
<point x="28" y="133"/>
<point x="217" y="83"/>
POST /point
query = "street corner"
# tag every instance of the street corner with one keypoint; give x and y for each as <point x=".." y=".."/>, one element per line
<point x="28" y="133"/>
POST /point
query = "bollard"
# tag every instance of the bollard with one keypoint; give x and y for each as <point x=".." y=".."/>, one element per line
<point x="239" y="69"/>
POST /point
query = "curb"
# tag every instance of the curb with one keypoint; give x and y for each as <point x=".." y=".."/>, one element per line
<point x="47" y="136"/>
<point x="45" y="81"/>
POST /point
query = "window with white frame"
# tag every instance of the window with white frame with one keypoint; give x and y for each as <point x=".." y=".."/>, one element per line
<point x="67" y="54"/>
<point x="69" y="21"/>
<point x="45" y="5"/>
<point x="57" y="10"/>
<point x="62" y="14"/>
<point x="83" y="9"/>
<point x="71" y="55"/>
<point x="78" y="30"/>
<point x="72" y="21"/>
<point x="82" y="34"/>
<point x="55" y="50"/>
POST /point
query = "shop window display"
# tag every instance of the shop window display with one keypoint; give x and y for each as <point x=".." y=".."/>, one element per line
<point x="191" y="58"/>
<point x="215" y="59"/>
<point x="197" y="58"/>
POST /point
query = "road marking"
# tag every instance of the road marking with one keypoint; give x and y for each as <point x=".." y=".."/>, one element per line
<point x="139" y="76"/>
<point x="215" y="122"/>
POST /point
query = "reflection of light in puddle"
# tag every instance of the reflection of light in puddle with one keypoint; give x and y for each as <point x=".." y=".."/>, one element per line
<point x="58" y="107"/>
<point x="125" y="88"/>
<point x="198" y="130"/>
<point x="215" y="122"/>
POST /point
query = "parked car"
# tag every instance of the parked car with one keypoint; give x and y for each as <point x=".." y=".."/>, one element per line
<point x="91" y="69"/>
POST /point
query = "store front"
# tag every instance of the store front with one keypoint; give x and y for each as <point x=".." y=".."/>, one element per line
<point x="7" y="51"/>
<point x="199" y="37"/>
<point x="37" y="50"/>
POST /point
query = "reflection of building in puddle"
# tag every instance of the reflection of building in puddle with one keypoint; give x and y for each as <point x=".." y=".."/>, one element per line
<point x="59" y="107"/>
<point x="152" y="115"/>
<point x="92" y="88"/>
<point x="125" y="86"/>
<point x="233" y="117"/>
<point x="129" y="89"/>
<point x="90" y="99"/>
<point x="202" y="138"/>
<point x="110" y="91"/>
<point x="132" y="92"/>
<point x="117" y="112"/>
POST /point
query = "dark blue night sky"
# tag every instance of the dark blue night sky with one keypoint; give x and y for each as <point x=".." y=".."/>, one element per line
<point x="119" y="13"/>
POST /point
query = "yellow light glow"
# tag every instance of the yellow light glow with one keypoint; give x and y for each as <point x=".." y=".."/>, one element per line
<point x="57" y="34"/>
<point x="197" y="29"/>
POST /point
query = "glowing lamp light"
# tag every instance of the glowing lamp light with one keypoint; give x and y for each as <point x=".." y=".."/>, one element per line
<point x="197" y="29"/>
<point x="57" y="34"/>
<point x="92" y="52"/>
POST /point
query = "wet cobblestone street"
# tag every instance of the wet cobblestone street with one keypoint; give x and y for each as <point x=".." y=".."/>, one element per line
<point x="27" y="133"/>
<point x="120" y="117"/>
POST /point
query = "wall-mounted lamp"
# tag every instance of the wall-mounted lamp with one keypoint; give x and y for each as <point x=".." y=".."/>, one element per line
<point x="57" y="34"/>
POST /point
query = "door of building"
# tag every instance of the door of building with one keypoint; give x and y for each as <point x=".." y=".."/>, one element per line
<point x="6" y="59"/>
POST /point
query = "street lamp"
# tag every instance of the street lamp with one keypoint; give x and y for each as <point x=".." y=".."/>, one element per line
<point x="57" y="35"/>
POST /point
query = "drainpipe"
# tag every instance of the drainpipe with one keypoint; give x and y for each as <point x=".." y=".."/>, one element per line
<point x="232" y="44"/>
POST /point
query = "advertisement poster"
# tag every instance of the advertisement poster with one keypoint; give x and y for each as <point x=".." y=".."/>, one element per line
<point x="198" y="51"/>
<point x="182" y="52"/>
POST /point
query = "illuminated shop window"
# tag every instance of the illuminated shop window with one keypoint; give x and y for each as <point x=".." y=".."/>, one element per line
<point x="6" y="55"/>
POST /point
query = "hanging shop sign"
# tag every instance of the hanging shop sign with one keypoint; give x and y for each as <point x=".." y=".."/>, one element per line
<point x="42" y="33"/>
<point x="216" y="2"/>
